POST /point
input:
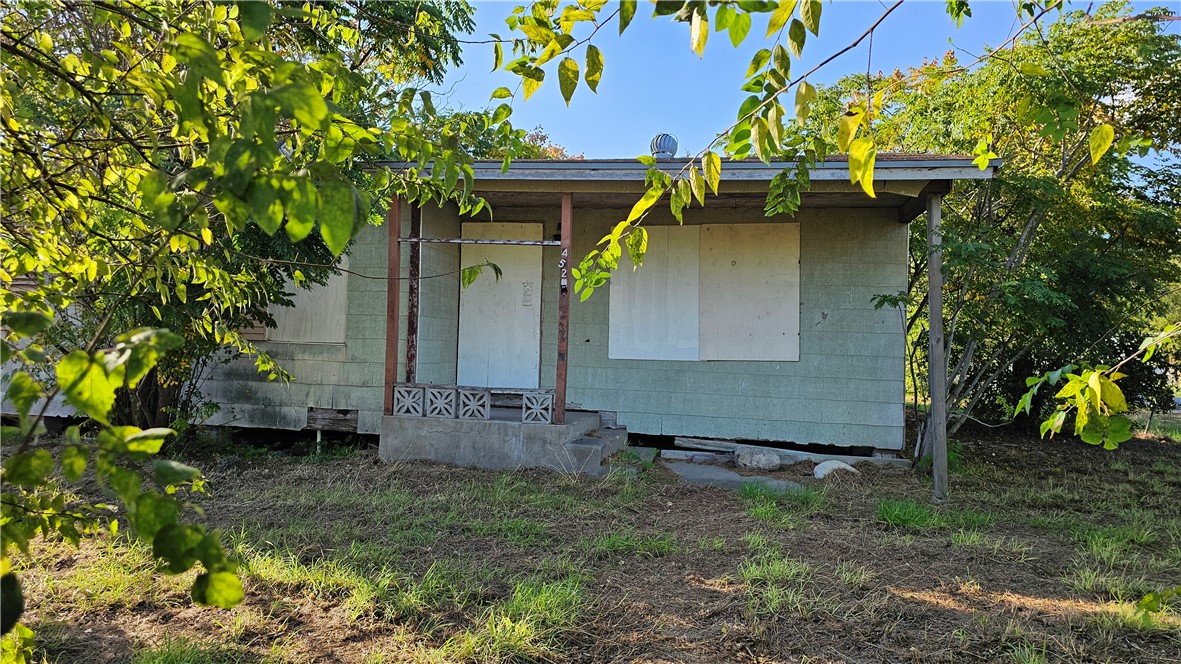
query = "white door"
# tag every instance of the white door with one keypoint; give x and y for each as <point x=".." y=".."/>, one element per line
<point x="500" y="320"/>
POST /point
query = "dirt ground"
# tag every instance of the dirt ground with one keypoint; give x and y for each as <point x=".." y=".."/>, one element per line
<point x="1037" y="558"/>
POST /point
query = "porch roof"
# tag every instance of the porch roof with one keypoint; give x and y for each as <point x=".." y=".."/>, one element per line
<point x="888" y="166"/>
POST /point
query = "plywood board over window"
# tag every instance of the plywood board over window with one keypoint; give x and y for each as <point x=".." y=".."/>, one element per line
<point x="712" y="292"/>
<point x="653" y="311"/>
<point x="318" y="316"/>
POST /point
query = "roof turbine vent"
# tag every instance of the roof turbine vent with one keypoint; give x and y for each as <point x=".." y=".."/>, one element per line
<point x="664" y="146"/>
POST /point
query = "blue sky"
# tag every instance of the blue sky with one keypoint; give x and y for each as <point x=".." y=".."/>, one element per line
<point x="652" y="82"/>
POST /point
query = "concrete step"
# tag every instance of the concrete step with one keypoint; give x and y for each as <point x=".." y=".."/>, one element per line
<point x="586" y="455"/>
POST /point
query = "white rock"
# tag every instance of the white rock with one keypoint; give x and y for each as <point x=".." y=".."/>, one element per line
<point x="824" y="468"/>
<point x="756" y="458"/>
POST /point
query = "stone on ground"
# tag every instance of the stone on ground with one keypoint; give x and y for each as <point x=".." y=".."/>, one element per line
<point x="756" y="458"/>
<point x="825" y="468"/>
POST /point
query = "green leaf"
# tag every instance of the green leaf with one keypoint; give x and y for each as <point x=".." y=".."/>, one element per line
<point x="501" y="113"/>
<point x="142" y="349"/>
<point x="531" y="80"/>
<point x="739" y="28"/>
<point x="338" y="213"/>
<point x="697" y="184"/>
<point x="810" y="15"/>
<point x="711" y="163"/>
<point x="1033" y="69"/>
<point x="86" y="384"/>
<point x="568" y="78"/>
<point x="28" y="469"/>
<point x="26" y="323"/>
<point x="648" y="200"/>
<point x="148" y="441"/>
<point x="862" y="155"/>
<point x="1100" y="141"/>
<point x="222" y="589"/>
<point x="303" y="102"/>
<point x="594" y="67"/>
<point x="805" y="96"/>
<point x="168" y="472"/>
<point x="762" y="57"/>
<point x="265" y="206"/>
<point x="796" y="36"/>
<point x="782" y="61"/>
<point x="303" y="206"/>
<point x="254" y="18"/>
<point x="501" y="93"/>
<point x="637" y="245"/>
<point x="73" y="462"/>
<point x="152" y="512"/>
<point x="176" y="545"/>
<point x="23" y="392"/>
<point x="199" y="56"/>
<point x="627" y="10"/>
<point x="780" y="16"/>
<point x="497" y="55"/>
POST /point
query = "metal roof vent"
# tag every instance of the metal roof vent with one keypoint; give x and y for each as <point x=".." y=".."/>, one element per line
<point x="664" y="146"/>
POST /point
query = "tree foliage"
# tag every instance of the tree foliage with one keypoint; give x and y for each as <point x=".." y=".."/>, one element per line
<point x="173" y="166"/>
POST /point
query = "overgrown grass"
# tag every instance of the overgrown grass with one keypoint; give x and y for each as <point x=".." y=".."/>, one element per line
<point x="908" y="514"/>
<point x="778" y="585"/>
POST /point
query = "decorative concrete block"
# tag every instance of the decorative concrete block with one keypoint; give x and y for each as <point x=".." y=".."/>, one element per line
<point x="408" y="400"/>
<point x="440" y="402"/>
<point x="475" y="405"/>
<point x="537" y="407"/>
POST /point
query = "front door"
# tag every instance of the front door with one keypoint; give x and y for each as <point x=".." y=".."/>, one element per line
<point x="500" y="320"/>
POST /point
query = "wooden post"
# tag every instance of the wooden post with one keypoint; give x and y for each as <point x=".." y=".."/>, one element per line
<point x="393" y="222"/>
<point x="936" y="361"/>
<point x="563" y="309"/>
<point x="413" y="295"/>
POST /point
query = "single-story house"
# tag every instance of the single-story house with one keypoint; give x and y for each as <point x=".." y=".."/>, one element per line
<point x="738" y="326"/>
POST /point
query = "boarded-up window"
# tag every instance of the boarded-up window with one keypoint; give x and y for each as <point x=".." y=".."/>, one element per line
<point x="712" y="292"/>
<point x="318" y="315"/>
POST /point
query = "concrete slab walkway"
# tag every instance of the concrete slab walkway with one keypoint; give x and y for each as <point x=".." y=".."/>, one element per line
<point x="711" y="475"/>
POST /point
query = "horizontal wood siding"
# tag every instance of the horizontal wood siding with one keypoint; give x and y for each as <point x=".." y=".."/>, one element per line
<point x="846" y="389"/>
<point x="346" y="376"/>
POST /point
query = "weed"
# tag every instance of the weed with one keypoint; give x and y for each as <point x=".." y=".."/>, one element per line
<point x="757" y="542"/>
<point x="1027" y="653"/>
<point x="187" y="651"/>
<point x="771" y="568"/>
<point x="716" y="543"/>
<point x="855" y="576"/>
<point x="627" y="541"/>
<point x="909" y="514"/>
<point x="525" y="626"/>
<point x="967" y="538"/>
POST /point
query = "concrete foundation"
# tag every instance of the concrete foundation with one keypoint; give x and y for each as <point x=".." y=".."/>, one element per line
<point x="502" y="442"/>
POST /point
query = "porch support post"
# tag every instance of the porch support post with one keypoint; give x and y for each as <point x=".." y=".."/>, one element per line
<point x="393" y="223"/>
<point x="412" y="298"/>
<point x="563" y="309"/>
<point x="936" y="360"/>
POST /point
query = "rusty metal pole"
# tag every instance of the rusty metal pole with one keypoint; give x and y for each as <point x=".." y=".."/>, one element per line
<point x="936" y="360"/>
<point x="393" y="222"/>
<point x="563" y="309"/>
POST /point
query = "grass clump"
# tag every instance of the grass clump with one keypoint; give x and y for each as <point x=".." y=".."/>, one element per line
<point x="782" y="509"/>
<point x="525" y="626"/>
<point x="630" y="542"/>
<point x="911" y="515"/>
<point x="187" y="651"/>
<point x="777" y="585"/>
<point x="855" y="576"/>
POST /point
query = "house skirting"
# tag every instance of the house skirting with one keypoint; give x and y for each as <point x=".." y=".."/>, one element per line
<point x="501" y="443"/>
